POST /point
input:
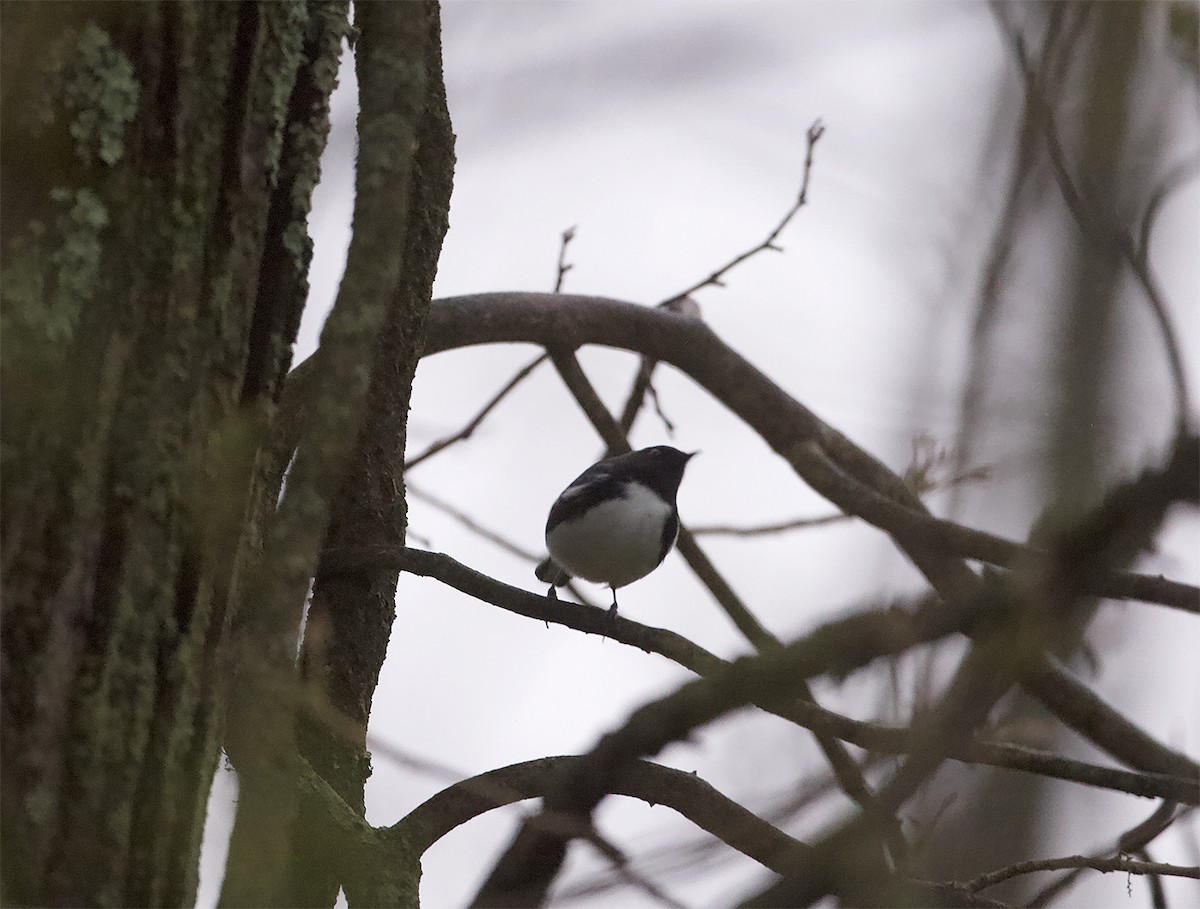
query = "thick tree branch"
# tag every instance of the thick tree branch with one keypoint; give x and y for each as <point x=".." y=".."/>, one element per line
<point x="350" y="619"/>
<point x="683" y="792"/>
<point x="570" y="321"/>
<point x="392" y="95"/>
<point x="678" y="649"/>
<point x="526" y="870"/>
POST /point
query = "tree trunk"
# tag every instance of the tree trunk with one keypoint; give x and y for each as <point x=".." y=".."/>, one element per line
<point x="158" y="165"/>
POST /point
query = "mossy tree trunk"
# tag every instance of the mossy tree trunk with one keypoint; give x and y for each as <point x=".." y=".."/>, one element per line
<point x="158" y="165"/>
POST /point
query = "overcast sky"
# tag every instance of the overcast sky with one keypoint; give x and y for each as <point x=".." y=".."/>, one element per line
<point x="672" y="135"/>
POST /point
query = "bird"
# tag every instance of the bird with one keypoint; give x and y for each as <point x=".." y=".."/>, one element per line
<point x="616" y="521"/>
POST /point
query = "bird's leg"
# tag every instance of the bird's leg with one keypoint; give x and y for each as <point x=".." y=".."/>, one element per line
<point x="612" y="610"/>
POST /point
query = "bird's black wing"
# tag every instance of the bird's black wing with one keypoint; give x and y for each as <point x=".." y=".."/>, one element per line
<point x="590" y="488"/>
<point x="670" y="532"/>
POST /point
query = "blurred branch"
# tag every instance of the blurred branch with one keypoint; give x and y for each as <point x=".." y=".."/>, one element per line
<point x="625" y="871"/>
<point x="1044" y="600"/>
<point x="921" y="476"/>
<point x="1094" y="227"/>
<point x="1026" y="186"/>
<point x="1084" y="711"/>
<point x="1174" y="179"/>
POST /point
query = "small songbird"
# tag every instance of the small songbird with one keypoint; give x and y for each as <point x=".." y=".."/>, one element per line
<point x="617" y="520"/>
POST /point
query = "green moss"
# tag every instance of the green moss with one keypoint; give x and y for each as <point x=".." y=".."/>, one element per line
<point x="49" y="275"/>
<point x="97" y="92"/>
<point x="285" y="23"/>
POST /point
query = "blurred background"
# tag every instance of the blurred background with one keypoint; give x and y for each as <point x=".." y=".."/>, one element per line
<point x="931" y="288"/>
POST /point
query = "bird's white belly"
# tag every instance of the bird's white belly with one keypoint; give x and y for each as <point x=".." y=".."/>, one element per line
<point x="614" y="543"/>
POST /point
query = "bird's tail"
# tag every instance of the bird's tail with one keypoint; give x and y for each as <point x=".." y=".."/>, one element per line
<point x="548" y="572"/>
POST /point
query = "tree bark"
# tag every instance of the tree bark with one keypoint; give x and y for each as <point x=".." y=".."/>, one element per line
<point x="159" y="160"/>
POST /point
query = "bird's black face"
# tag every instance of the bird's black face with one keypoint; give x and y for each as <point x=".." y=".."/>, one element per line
<point x="661" y="467"/>
<point x="667" y="458"/>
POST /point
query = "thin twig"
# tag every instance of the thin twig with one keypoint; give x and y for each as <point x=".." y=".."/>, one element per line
<point x="758" y="530"/>
<point x="642" y="382"/>
<point x="471" y="524"/>
<point x="1105" y="865"/>
<point x="920" y="476"/>
<point x="716" y="278"/>
<point x="563" y="266"/>
<point x="658" y="409"/>
<point x="473" y="424"/>
<point x="465" y="433"/>
<point x="622" y="868"/>
<point x="488" y="534"/>
<point x="1132" y="841"/>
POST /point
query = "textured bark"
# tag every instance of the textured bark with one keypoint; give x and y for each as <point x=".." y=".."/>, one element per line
<point x="144" y="338"/>
<point x="284" y="850"/>
<point x="350" y="616"/>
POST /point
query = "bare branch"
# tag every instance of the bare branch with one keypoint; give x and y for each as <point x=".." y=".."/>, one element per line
<point x="679" y="302"/>
<point x="418" y="492"/>
<point x="684" y="792"/>
<point x="473" y="424"/>
<point x="488" y="534"/>
<point x="625" y="871"/>
<point x="532" y="861"/>
<point x="873" y="737"/>
<point x="716" y="278"/>
<point x="521" y="374"/>
<point x="784" y="423"/>
<point x="1106" y="865"/>
<point x="758" y="530"/>
<point x="1135" y="840"/>
<point x="1095" y="228"/>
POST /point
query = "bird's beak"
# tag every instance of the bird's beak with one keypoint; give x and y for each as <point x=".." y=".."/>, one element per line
<point x="692" y="454"/>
